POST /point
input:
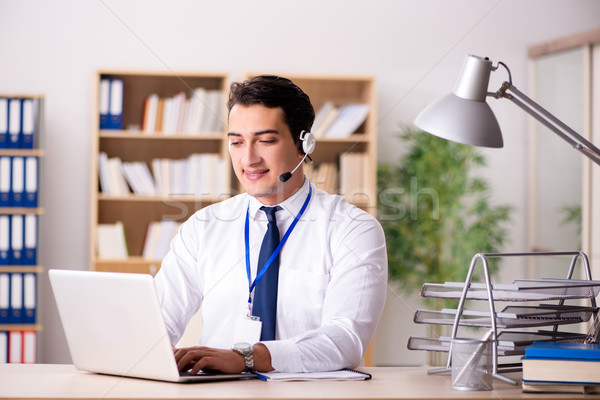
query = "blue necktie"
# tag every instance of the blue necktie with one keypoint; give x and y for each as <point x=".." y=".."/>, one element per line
<point x="265" y="292"/>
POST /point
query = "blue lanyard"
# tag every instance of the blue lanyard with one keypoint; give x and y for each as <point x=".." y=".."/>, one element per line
<point x="287" y="233"/>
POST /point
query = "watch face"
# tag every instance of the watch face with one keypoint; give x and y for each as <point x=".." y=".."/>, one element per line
<point x="242" y="346"/>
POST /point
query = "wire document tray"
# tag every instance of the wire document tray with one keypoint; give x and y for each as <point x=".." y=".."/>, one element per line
<point x="510" y="316"/>
<point x="518" y="290"/>
<point x="513" y="343"/>
<point x="509" y="343"/>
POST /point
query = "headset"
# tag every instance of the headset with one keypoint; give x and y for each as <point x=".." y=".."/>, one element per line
<point x="308" y="146"/>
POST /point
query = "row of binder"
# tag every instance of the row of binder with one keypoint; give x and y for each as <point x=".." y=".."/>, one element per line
<point x="18" y="181"/>
<point x="111" y="103"/>
<point x="18" y="347"/>
<point x="18" y="239"/>
<point x="18" y="118"/>
<point x="18" y="297"/>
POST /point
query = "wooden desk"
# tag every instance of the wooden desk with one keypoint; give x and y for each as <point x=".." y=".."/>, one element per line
<point x="43" y="381"/>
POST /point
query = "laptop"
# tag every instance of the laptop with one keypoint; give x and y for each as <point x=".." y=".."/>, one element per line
<point x="114" y="325"/>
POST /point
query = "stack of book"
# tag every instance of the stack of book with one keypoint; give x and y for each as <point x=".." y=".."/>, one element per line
<point x="201" y="113"/>
<point x="561" y="367"/>
<point x="333" y="121"/>
<point x="158" y="239"/>
<point x="353" y="178"/>
<point x="18" y="306"/>
<point x="18" y="124"/>
<point x="111" y="103"/>
<point x="197" y="175"/>
<point x="110" y="241"/>
<point x="323" y="175"/>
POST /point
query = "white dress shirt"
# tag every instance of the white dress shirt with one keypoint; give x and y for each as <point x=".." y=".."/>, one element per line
<point x="332" y="278"/>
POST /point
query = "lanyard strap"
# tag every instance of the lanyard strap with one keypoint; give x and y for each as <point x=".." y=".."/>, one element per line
<point x="287" y="233"/>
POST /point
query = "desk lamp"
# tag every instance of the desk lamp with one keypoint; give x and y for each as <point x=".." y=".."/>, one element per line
<point x="464" y="116"/>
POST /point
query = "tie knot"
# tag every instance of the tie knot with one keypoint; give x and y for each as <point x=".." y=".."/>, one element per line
<point x="270" y="211"/>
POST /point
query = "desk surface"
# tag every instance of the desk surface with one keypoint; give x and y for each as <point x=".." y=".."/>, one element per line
<point x="43" y="381"/>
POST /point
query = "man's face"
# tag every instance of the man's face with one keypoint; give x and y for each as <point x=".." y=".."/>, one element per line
<point x="262" y="148"/>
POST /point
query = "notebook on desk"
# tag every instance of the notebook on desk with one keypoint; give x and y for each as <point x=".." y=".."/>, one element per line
<point x="114" y="325"/>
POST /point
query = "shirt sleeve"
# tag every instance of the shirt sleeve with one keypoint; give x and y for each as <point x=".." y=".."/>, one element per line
<point x="354" y="301"/>
<point x="178" y="282"/>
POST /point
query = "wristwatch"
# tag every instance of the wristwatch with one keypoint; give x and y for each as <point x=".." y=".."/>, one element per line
<point x="245" y="349"/>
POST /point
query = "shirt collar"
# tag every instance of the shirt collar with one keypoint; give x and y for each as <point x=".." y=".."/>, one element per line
<point x="291" y="206"/>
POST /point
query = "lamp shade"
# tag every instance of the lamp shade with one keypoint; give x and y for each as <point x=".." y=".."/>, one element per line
<point x="464" y="116"/>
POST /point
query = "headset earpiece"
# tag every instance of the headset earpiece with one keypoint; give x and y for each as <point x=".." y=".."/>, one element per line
<point x="308" y="142"/>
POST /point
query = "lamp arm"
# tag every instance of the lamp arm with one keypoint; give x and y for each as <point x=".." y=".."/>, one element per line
<point x="550" y="121"/>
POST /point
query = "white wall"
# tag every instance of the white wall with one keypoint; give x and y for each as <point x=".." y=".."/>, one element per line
<point x="413" y="48"/>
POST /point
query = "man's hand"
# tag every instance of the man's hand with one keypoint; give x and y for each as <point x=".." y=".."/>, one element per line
<point x="208" y="359"/>
<point x="227" y="361"/>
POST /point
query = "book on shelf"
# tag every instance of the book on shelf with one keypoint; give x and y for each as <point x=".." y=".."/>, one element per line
<point x="30" y="234"/>
<point x="3" y="122"/>
<point x="3" y="347"/>
<point x="18" y="239"/>
<point x="111" y="243"/>
<point x="558" y="362"/>
<point x="324" y="117"/>
<point x="150" y="114"/>
<point x="18" y="347"/>
<point x="199" y="114"/>
<point x="118" y="183"/>
<point x="158" y="239"/>
<point x="352" y="176"/>
<point x="348" y="119"/>
<point x="112" y="180"/>
<point x="110" y="107"/>
<point x="18" y="117"/>
<point x="197" y="175"/>
<point x="31" y="182"/>
<point x="5" y="311"/>
<point x="27" y="134"/>
<point x="17" y="183"/>
<point x="104" y="102"/>
<point x="115" y="109"/>
<point x="16" y="255"/>
<point x="18" y="297"/>
<point x="138" y="176"/>
<point x="5" y="180"/>
<point x="323" y="175"/>
<point x="14" y="123"/>
<point x="4" y="239"/>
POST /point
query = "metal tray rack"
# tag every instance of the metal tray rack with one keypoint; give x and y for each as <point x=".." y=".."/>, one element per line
<point x="507" y="343"/>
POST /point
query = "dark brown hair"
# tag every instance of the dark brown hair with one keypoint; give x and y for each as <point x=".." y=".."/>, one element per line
<point x="272" y="92"/>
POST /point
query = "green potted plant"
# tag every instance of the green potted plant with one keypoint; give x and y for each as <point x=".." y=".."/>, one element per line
<point x="436" y="213"/>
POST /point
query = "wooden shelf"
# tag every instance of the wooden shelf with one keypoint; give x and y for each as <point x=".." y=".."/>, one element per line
<point x="36" y="269"/>
<point x="131" y="265"/>
<point x="22" y="152"/>
<point x="25" y="272"/>
<point x="134" y="211"/>
<point x="136" y="134"/>
<point x="21" y="327"/>
<point x="183" y="198"/>
<point x="21" y="210"/>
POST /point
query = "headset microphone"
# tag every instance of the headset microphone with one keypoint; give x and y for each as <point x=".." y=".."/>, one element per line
<point x="308" y="146"/>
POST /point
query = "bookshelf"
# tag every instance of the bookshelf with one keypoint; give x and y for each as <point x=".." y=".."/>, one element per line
<point x="20" y="155"/>
<point x="133" y="139"/>
<point x="351" y="155"/>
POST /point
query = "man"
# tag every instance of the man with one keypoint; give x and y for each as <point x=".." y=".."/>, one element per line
<point x="329" y="274"/>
